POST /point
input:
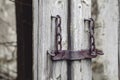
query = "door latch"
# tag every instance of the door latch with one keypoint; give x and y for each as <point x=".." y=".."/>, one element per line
<point x="60" y="54"/>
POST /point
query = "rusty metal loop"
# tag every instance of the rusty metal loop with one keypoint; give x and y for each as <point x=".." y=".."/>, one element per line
<point x="60" y="54"/>
<point x="92" y="47"/>
<point x="59" y="38"/>
<point x="59" y="47"/>
<point x="58" y="32"/>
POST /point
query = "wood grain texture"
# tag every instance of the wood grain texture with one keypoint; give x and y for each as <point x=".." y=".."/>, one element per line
<point x="86" y="64"/>
<point x="80" y="10"/>
<point x="59" y="68"/>
<point x="119" y="42"/>
<point x="44" y="40"/>
<point x="106" y="38"/>
<point x="45" y="69"/>
<point x="35" y="39"/>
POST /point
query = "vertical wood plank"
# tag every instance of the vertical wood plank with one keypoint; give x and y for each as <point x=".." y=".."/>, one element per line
<point x="76" y="36"/>
<point x="119" y="42"/>
<point x="107" y="37"/>
<point x="35" y="39"/>
<point x="43" y="39"/>
<point x="80" y="9"/>
<point x="86" y="64"/>
<point x="59" y="68"/>
<point x="46" y="9"/>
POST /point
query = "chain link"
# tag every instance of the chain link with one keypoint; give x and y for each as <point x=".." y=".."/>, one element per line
<point x="92" y="47"/>
<point x="58" y="33"/>
<point x="60" y="54"/>
<point x="92" y="39"/>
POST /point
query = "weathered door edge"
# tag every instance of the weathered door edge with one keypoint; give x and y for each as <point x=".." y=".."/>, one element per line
<point x="35" y="38"/>
<point x="119" y="41"/>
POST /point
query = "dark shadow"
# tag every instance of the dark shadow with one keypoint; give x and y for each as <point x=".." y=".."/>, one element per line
<point x="24" y="39"/>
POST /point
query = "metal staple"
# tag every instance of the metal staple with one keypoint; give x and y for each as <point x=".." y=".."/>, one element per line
<point x="58" y="33"/>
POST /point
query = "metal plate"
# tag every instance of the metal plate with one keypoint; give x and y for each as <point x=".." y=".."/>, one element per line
<point x="73" y="55"/>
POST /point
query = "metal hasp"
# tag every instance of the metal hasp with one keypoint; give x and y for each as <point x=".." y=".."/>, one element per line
<point x="60" y="54"/>
<point x="72" y="55"/>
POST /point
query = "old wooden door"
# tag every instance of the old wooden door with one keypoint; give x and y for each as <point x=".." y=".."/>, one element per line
<point x="75" y="37"/>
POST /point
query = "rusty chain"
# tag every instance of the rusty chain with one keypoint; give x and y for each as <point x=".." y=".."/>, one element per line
<point x="92" y="38"/>
<point x="92" y="46"/>
<point x="60" y="54"/>
<point x="58" y="33"/>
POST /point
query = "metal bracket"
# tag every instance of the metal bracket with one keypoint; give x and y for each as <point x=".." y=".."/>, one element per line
<point x="73" y="55"/>
<point x="60" y="54"/>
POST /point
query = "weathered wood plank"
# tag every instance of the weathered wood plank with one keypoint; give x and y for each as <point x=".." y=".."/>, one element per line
<point x="107" y="37"/>
<point x="35" y="39"/>
<point x="46" y="10"/>
<point x="76" y="36"/>
<point x="80" y="9"/>
<point x="44" y="39"/>
<point x="86" y="64"/>
<point x="59" y="68"/>
<point x="119" y="42"/>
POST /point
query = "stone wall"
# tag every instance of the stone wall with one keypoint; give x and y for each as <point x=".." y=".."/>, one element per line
<point x="7" y="41"/>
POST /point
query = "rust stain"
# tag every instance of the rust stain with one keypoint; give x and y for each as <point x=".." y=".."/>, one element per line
<point x="99" y="24"/>
<point x="98" y="71"/>
<point x="95" y="10"/>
